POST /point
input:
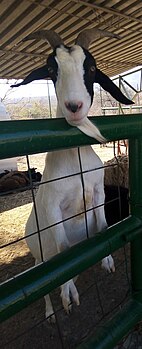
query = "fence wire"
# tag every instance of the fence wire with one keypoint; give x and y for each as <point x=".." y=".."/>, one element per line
<point x="100" y="294"/>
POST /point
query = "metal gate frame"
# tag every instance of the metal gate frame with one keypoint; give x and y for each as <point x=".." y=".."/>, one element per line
<point x="35" y="136"/>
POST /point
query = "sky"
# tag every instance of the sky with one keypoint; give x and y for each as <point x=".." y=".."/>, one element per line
<point x="40" y="88"/>
<point x="34" y="89"/>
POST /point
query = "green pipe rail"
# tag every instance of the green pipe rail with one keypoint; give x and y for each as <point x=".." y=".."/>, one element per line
<point x="38" y="281"/>
<point x="108" y="335"/>
<point x="35" y="136"/>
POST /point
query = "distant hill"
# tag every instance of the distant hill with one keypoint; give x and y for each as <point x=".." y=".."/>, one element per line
<point x="41" y="107"/>
<point x="32" y="107"/>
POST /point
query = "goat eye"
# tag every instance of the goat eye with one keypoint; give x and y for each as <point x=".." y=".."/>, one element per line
<point x="92" y="68"/>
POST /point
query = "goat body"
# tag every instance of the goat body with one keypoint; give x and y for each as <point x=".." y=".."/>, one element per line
<point x="59" y="200"/>
<point x="73" y="71"/>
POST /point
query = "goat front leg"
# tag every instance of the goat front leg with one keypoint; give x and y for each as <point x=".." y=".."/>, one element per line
<point x="98" y="200"/>
<point x="69" y="293"/>
<point x="68" y="290"/>
<point x="49" y="313"/>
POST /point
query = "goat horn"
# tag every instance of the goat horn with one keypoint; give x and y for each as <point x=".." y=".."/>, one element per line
<point x="48" y="35"/>
<point x="87" y="36"/>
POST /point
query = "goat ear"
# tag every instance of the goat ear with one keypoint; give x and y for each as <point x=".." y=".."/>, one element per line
<point x="107" y="84"/>
<point x="40" y="73"/>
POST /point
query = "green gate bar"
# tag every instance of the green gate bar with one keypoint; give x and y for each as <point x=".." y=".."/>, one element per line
<point x="107" y="336"/>
<point x="34" y="136"/>
<point x="33" y="284"/>
<point x="22" y="137"/>
<point x="136" y="210"/>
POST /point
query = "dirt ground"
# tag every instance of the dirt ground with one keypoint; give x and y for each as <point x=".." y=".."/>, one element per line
<point x="100" y="294"/>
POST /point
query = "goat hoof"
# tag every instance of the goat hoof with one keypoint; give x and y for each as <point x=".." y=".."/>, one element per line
<point x="67" y="305"/>
<point x="68" y="309"/>
<point x="69" y="293"/>
<point x="50" y="318"/>
<point x="108" y="264"/>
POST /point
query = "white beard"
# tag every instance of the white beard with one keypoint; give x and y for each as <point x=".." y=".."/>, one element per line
<point x="87" y="127"/>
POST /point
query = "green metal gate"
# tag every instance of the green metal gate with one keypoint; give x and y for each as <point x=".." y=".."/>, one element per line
<point x="35" y="136"/>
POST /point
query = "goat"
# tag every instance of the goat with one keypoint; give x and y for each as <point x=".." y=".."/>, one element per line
<point x="73" y="71"/>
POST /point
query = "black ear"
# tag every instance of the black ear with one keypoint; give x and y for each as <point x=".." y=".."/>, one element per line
<point x="107" y="84"/>
<point x="40" y="73"/>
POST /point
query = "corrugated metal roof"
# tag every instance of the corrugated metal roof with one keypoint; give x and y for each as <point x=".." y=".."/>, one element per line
<point x="68" y="18"/>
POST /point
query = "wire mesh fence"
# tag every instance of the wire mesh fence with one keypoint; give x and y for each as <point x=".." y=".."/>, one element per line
<point x="100" y="294"/>
<point x="99" y="300"/>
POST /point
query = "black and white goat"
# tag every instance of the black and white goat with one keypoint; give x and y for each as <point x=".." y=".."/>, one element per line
<point x="73" y="71"/>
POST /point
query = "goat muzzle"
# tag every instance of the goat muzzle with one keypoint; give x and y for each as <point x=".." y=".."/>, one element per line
<point x="73" y="107"/>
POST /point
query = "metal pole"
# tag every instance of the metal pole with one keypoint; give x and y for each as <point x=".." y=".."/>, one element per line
<point x="127" y="74"/>
<point x="135" y="154"/>
<point x="141" y="81"/>
<point x="49" y="100"/>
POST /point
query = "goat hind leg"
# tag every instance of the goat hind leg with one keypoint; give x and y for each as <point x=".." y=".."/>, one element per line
<point x="107" y="262"/>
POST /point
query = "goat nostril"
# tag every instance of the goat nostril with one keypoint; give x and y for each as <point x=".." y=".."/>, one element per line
<point x="73" y="107"/>
<point x="80" y="105"/>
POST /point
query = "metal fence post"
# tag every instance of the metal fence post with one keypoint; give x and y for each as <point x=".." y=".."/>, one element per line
<point x="135" y="174"/>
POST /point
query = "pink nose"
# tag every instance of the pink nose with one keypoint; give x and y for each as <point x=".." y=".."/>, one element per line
<point x="73" y="106"/>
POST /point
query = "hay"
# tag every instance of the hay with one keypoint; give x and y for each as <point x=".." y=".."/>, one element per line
<point x="117" y="172"/>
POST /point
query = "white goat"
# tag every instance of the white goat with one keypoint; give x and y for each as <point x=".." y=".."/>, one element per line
<point x="73" y="71"/>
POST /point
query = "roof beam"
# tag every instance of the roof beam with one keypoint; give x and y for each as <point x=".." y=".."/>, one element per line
<point x="108" y="10"/>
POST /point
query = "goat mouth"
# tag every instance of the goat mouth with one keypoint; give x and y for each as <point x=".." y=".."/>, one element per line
<point x="75" y="121"/>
